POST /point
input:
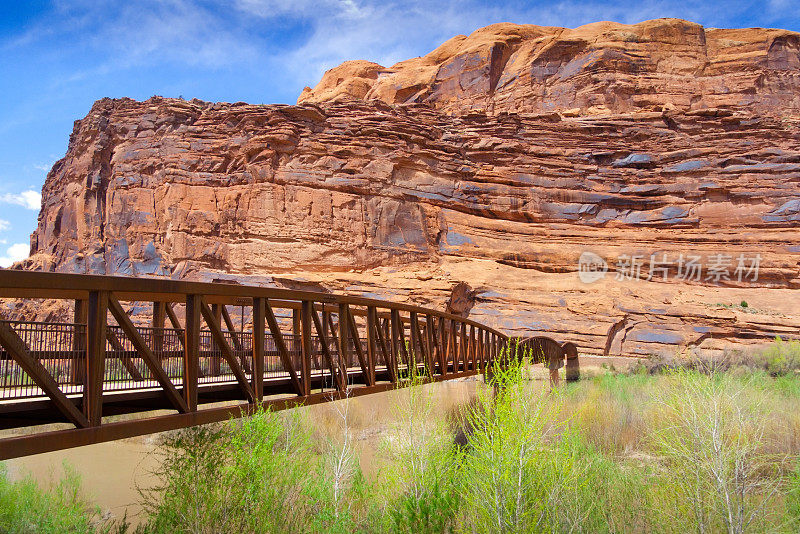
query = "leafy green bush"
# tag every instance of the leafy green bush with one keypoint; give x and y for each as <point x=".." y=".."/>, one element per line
<point x="782" y="357"/>
<point x="27" y="508"/>
<point x="793" y="496"/>
<point x="259" y="474"/>
<point x="422" y="479"/>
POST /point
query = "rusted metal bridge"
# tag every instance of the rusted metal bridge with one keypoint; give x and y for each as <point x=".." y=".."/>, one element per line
<point x="189" y="364"/>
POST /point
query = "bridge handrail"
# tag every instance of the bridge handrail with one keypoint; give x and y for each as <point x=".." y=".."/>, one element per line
<point x="47" y="285"/>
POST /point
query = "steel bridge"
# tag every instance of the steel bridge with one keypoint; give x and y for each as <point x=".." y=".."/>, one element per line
<point x="170" y="353"/>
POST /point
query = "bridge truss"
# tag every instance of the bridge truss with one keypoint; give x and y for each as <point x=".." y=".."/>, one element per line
<point x="170" y="354"/>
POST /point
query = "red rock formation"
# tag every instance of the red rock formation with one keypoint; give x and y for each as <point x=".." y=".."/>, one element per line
<point x="403" y="201"/>
<point x="461" y="301"/>
<point x="599" y="68"/>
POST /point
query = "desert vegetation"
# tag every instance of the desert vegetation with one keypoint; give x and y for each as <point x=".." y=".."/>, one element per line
<point x="27" y="508"/>
<point x="684" y="444"/>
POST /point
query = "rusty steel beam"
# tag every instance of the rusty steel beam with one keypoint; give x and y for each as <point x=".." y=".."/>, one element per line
<point x="372" y="324"/>
<point x="95" y="356"/>
<point x="471" y="347"/>
<point x="237" y="343"/>
<point x="157" y="322"/>
<point x="439" y="340"/>
<point x="76" y="369"/>
<point x="127" y="361"/>
<point x="173" y="318"/>
<point x="395" y="325"/>
<point x="465" y="346"/>
<point x="214" y="361"/>
<point x="342" y="360"/>
<point x="481" y="346"/>
<point x="259" y="342"/>
<point x="384" y="348"/>
<point x="305" y="346"/>
<point x="191" y="356"/>
<point x="416" y="342"/>
<point x="404" y="352"/>
<point x="362" y="358"/>
<point x="338" y="372"/>
<point x="344" y="340"/>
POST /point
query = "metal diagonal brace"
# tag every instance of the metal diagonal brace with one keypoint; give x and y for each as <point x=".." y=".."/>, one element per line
<point x="277" y="336"/>
<point x="338" y="374"/>
<point x="17" y="349"/>
<point x="147" y="355"/>
<point x="362" y="360"/>
<point x="227" y="353"/>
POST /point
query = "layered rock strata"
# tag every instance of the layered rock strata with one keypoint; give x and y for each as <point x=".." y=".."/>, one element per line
<point x="594" y="69"/>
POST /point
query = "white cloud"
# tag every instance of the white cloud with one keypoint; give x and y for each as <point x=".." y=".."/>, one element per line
<point x="15" y="253"/>
<point x="43" y="166"/>
<point x="275" y="8"/>
<point x="247" y="33"/>
<point x="389" y="31"/>
<point x="4" y="225"/>
<point x="30" y="199"/>
<point x="131" y="34"/>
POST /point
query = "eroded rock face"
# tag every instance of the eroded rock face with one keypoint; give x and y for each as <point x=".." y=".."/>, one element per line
<point x="404" y="201"/>
<point x="594" y="69"/>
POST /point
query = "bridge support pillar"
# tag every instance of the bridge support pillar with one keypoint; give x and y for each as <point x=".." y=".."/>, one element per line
<point x="77" y="366"/>
<point x="97" y="317"/>
<point x="259" y="337"/>
<point x="372" y="325"/>
<point x="191" y="354"/>
<point x="306" y="346"/>
<point x="344" y="339"/>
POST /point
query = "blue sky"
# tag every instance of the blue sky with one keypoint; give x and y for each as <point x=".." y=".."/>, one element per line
<point x="57" y="57"/>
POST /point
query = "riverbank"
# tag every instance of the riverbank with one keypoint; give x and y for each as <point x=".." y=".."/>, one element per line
<point x="661" y="446"/>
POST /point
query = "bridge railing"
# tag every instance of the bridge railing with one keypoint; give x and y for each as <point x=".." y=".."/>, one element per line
<point x="135" y="345"/>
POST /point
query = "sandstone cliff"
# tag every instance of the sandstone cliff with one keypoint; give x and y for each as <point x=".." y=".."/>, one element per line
<point x="594" y="69"/>
<point x="403" y="201"/>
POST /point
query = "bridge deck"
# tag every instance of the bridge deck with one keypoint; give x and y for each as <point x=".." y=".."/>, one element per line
<point x="118" y="355"/>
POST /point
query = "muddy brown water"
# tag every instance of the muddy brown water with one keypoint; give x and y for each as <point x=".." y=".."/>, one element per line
<point x="111" y="472"/>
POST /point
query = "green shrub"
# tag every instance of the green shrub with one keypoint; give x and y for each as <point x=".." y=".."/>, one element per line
<point x="793" y="497"/>
<point x="431" y="511"/>
<point x="782" y="357"/>
<point x="27" y="508"/>
<point x="252" y="475"/>
<point x="422" y="481"/>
